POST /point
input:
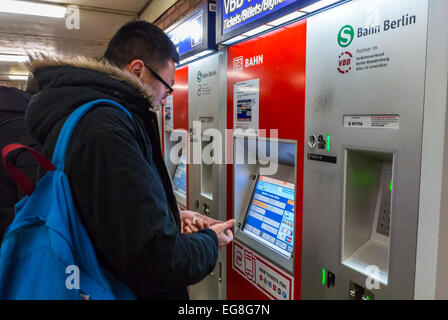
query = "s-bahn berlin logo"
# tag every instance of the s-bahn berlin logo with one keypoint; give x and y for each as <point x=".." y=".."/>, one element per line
<point x="345" y="38"/>
<point x="345" y="61"/>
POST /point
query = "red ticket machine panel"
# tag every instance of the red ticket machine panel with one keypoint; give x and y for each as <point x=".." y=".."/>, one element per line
<point x="175" y="116"/>
<point x="274" y="63"/>
<point x="180" y="99"/>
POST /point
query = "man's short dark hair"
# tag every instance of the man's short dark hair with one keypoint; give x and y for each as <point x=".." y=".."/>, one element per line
<point x="141" y="40"/>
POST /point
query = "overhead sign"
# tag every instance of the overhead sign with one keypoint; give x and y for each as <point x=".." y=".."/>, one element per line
<point x="188" y="34"/>
<point x="196" y="32"/>
<point x="239" y="16"/>
<point x="239" y="12"/>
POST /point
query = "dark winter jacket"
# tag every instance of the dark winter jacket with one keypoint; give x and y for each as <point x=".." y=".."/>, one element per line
<point x="118" y="178"/>
<point x="13" y="103"/>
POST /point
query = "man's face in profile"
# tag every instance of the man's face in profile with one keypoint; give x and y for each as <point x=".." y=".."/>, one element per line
<point x="159" y="89"/>
<point x="167" y="74"/>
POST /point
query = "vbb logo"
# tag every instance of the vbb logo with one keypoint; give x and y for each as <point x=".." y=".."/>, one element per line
<point x="345" y="61"/>
<point x="238" y="63"/>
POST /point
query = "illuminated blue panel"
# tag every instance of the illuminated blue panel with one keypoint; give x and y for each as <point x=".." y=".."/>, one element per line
<point x="180" y="178"/>
<point x="234" y="17"/>
<point x="195" y="33"/>
<point x="188" y="35"/>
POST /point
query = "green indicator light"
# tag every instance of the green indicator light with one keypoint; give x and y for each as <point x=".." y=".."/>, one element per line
<point x="368" y="298"/>
<point x="328" y="143"/>
<point x="323" y="276"/>
<point x="390" y="185"/>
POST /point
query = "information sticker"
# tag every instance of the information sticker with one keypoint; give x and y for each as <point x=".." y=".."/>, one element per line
<point x="386" y="121"/>
<point x="266" y="277"/>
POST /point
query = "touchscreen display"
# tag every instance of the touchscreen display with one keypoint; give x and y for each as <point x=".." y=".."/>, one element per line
<point x="270" y="216"/>
<point x="180" y="178"/>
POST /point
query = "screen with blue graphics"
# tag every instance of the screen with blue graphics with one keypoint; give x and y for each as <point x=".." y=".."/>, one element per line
<point x="270" y="216"/>
<point x="180" y="178"/>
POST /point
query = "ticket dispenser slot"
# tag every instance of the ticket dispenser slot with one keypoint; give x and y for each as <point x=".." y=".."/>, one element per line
<point x="264" y="203"/>
<point x="207" y="189"/>
<point x="367" y="212"/>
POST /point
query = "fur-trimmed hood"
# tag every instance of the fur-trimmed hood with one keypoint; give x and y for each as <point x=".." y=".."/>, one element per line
<point x="37" y="62"/>
<point x="64" y="84"/>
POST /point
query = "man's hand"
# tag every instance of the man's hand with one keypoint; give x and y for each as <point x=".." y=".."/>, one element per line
<point x="193" y="221"/>
<point x="224" y="232"/>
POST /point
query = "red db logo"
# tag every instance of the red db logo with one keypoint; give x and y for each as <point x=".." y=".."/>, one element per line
<point x="239" y="258"/>
<point x="238" y="64"/>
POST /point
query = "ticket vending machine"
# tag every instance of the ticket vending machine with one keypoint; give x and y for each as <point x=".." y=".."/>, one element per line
<point x="265" y="202"/>
<point x="374" y="220"/>
<point x="194" y="120"/>
<point x="265" y="109"/>
<point x="200" y="81"/>
<point x="369" y="119"/>
<point x="207" y="171"/>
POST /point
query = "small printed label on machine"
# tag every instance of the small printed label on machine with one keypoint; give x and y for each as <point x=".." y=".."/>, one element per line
<point x="322" y="158"/>
<point x="263" y="275"/>
<point x="384" y="121"/>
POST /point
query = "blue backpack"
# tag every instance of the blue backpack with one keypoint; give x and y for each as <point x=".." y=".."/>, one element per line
<point x="46" y="252"/>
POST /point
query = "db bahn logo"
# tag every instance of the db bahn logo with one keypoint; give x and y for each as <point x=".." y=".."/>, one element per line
<point x="345" y="61"/>
<point x="239" y="258"/>
<point x="238" y="63"/>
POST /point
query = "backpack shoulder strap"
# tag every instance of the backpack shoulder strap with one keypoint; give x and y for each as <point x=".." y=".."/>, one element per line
<point x="24" y="183"/>
<point x="66" y="132"/>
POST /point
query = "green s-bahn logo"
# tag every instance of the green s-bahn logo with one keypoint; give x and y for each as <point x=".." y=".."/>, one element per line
<point x="346" y="36"/>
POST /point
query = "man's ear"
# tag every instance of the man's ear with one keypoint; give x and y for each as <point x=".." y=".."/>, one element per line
<point x="136" y="67"/>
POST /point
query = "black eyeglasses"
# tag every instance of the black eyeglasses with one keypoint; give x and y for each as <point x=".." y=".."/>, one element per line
<point x="156" y="75"/>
